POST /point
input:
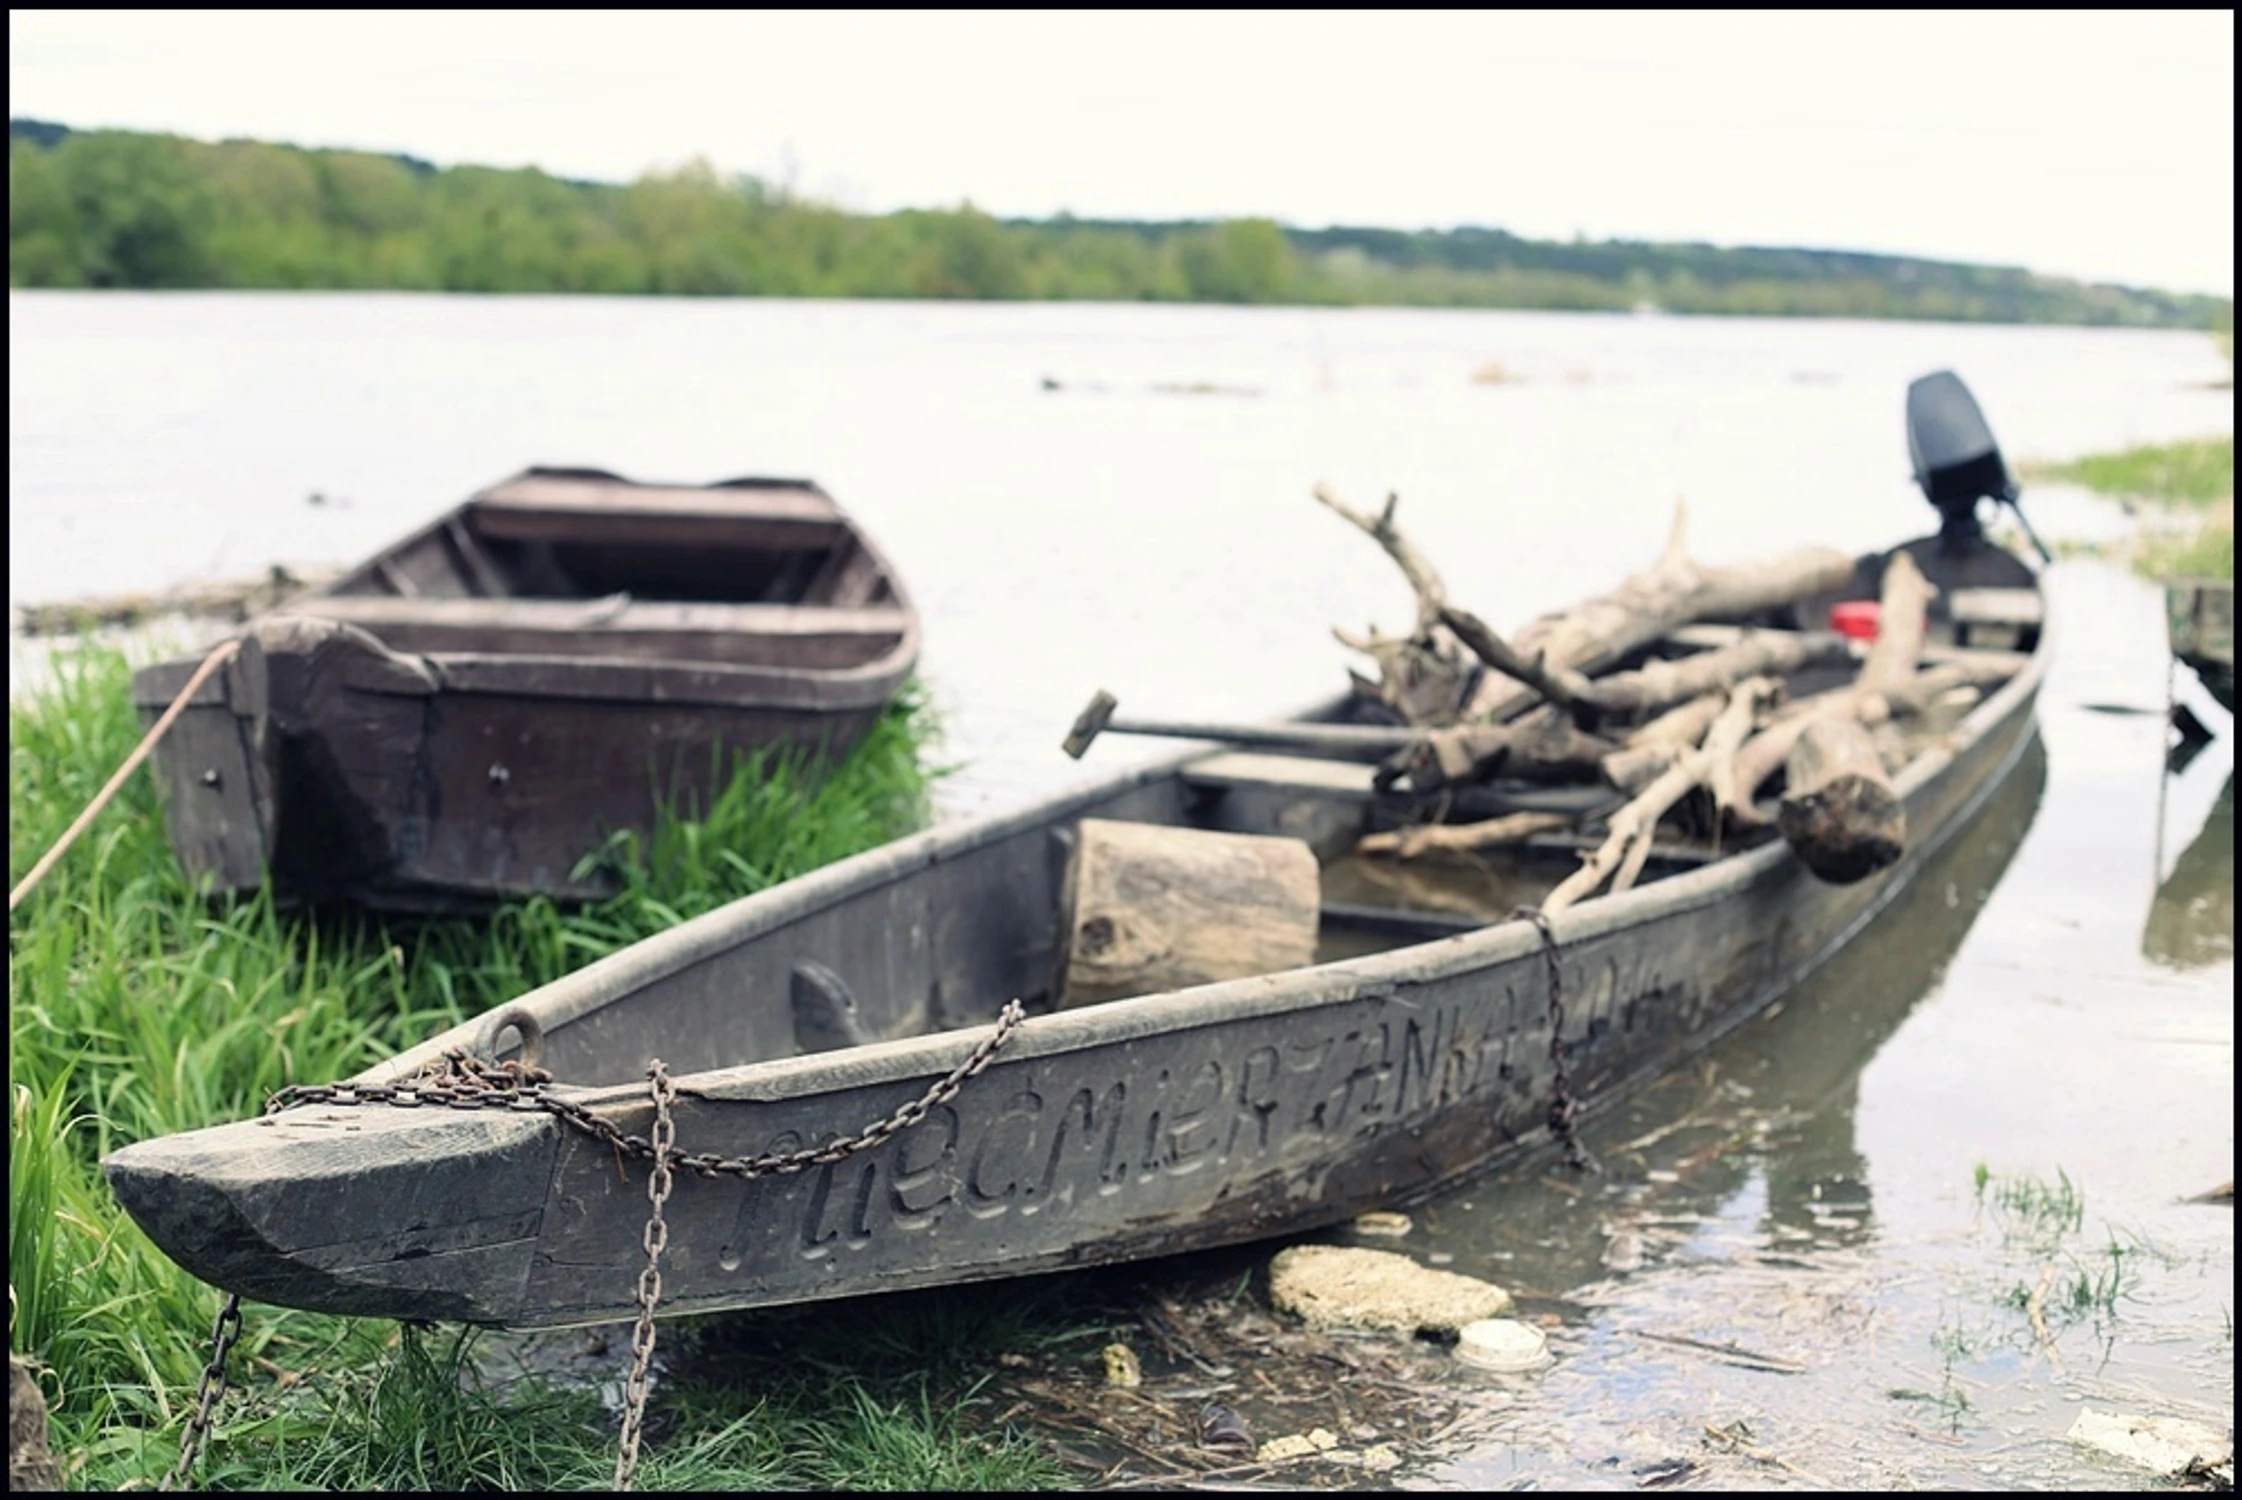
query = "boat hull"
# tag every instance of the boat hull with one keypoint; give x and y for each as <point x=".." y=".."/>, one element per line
<point x="405" y="785"/>
<point x="1141" y="1127"/>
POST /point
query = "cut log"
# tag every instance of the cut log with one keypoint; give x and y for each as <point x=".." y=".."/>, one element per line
<point x="1150" y="908"/>
<point x="1841" y="813"/>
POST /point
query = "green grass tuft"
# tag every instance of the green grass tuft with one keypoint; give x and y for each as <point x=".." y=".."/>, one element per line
<point x="2192" y="472"/>
<point x="2031" y="1210"/>
<point x="2202" y="550"/>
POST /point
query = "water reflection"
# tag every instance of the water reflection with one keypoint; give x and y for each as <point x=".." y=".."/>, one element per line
<point x="2191" y="918"/>
<point x="1774" y="1103"/>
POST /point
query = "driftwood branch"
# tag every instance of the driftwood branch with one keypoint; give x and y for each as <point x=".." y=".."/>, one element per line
<point x="1887" y="674"/>
<point x="1540" y="747"/>
<point x="1626" y="845"/>
<point x="1671" y="593"/>
<point x="1422" y="676"/>
<point x="1451" y="838"/>
<point x="1422" y="679"/>
<point x="1757" y="653"/>
<point x="1424" y="578"/>
<point x="1426" y="677"/>
<point x="1558" y="684"/>
<point x="1661" y="742"/>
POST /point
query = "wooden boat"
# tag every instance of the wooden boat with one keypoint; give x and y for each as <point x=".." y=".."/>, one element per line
<point x="1415" y="1054"/>
<point x="472" y="711"/>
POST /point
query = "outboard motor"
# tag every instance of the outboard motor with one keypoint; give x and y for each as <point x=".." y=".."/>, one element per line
<point x="1957" y="462"/>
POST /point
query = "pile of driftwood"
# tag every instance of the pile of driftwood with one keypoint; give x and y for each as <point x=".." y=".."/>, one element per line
<point x="1545" y="706"/>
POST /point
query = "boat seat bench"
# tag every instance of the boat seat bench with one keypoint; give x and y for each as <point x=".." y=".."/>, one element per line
<point x="552" y="508"/>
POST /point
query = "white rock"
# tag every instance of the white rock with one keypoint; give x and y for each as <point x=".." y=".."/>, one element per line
<point x="2166" y="1445"/>
<point x="1333" y="1286"/>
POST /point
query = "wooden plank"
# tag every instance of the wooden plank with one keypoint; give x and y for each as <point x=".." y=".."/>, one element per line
<point x="389" y="573"/>
<point x="736" y="634"/>
<point x="616" y="613"/>
<point x="1713" y="637"/>
<point x="1996" y="606"/>
<point x="488" y="581"/>
<point x="556" y="509"/>
<point x="573" y="494"/>
<point x="850" y="578"/>
<point x="1344" y="778"/>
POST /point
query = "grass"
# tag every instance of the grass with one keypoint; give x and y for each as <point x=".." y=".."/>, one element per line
<point x="2204" y="550"/>
<point x="2074" y="1285"/>
<point x="2186" y="491"/>
<point x="2032" y="1210"/>
<point x="2192" y="473"/>
<point x="137" y="1008"/>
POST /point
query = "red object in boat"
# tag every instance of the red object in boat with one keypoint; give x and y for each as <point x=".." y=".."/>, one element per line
<point x="1856" y="618"/>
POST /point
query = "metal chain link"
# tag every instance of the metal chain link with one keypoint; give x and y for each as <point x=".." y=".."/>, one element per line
<point x="461" y="1081"/>
<point x="1564" y="1108"/>
<point x="656" y="1239"/>
<point x="223" y="1335"/>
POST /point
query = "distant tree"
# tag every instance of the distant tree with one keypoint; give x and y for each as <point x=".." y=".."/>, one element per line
<point x="1240" y="260"/>
<point x="115" y="209"/>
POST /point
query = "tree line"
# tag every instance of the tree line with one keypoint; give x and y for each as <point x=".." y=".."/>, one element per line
<point x="127" y="209"/>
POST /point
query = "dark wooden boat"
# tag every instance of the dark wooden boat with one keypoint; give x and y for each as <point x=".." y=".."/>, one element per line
<point x="1415" y="1053"/>
<point x="471" y="712"/>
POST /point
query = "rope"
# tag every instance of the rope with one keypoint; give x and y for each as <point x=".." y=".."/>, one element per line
<point x="218" y="657"/>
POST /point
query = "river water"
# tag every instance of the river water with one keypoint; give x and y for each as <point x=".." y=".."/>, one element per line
<point x="1093" y="496"/>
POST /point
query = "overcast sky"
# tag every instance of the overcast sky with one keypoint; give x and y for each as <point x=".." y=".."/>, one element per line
<point x="2092" y="145"/>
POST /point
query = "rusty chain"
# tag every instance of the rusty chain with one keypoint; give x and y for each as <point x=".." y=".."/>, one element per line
<point x="223" y="1334"/>
<point x="460" y="1081"/>
<point x="1564" y="1108"/>
<point x="656" y="1239"/>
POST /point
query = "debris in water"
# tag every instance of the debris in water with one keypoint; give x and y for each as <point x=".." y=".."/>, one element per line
<point x="1664" y="1471"/>
<point x="1332" y="1286"/>
<point x="1623" y="1249"/>
<point x="1375" y="1459"/>
<point x="1382" y="1225"/>
<point x="1297" y="1445"/>
<point x="1122" y="1368"/>
<point x="1222" y="1427"/>
<point x="1501" y="1344"/>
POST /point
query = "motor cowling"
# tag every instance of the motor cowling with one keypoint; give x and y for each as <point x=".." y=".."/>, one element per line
<point x="1957" y="463"/>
